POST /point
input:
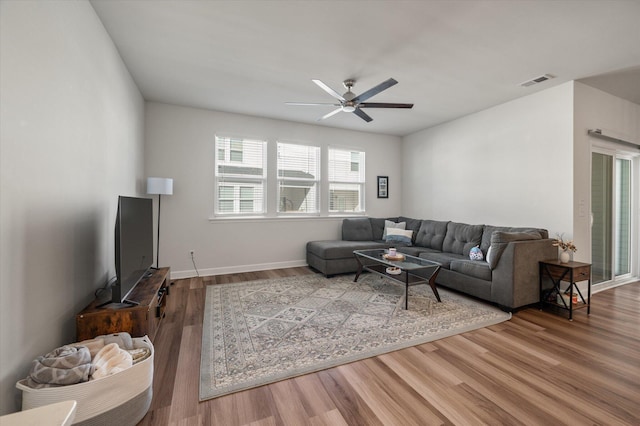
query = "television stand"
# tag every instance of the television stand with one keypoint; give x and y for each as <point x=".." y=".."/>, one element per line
<point x="139" y="315"/>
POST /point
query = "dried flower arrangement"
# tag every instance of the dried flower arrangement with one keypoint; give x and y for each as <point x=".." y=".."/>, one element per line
<point x="564" y="245"/>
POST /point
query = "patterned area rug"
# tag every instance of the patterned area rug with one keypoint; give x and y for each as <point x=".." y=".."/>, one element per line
<point x="259" y="332"/>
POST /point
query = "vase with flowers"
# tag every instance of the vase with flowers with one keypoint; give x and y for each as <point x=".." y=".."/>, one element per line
<point x="565" y="248"/>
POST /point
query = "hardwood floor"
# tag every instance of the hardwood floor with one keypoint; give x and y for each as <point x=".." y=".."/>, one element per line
<point x="536" y="369"/>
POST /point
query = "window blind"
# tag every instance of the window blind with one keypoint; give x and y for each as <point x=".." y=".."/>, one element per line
<point x="240" y="176"/>
<point x="346" y="181"/>
<point x="298" y="178"/>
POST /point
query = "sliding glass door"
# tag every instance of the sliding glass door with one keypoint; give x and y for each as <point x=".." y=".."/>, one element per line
<point x="601" y="217"/>
<point x="611" y="228"/>
<point x="622" y="222"/>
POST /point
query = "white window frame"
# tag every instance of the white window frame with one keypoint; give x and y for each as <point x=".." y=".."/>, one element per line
<point x="313" y="181"/>
<point x="239" y="181"/>
<point x="349" y="178"/>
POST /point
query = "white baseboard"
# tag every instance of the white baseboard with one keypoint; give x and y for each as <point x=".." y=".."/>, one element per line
<point x="596" y="288"/>
<point x="176" y="275"/>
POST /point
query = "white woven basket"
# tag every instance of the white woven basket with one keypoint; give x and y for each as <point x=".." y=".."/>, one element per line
<point x="97" y="397"/>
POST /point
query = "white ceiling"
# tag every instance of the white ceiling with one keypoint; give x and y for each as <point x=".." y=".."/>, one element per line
<point x="451" y="58"/>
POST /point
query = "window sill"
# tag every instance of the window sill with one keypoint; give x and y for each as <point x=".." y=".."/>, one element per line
<point x="245" y="219"/>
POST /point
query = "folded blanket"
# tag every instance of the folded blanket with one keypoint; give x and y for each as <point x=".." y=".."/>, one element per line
<point x="110" y="360"/>
<point x="122" y="339"/>
<point x="94" y="345"/>
<point x="66" y="365"/>
<point x="139" y="354"/>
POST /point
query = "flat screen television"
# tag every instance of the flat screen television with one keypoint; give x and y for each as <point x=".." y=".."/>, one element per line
<point x="134" y="245"/>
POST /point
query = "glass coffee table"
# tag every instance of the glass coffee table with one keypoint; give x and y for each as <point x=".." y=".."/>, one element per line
<point x="405" y="269"/>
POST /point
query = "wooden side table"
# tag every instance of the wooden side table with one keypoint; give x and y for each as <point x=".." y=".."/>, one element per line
<point x="571" y="272"/>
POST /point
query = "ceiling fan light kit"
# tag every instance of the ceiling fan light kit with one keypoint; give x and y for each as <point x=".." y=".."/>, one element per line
<point x="349" y="102"/>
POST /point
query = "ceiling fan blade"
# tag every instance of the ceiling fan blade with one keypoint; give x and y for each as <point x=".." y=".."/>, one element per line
<point x="375" y="90"/>
<point x="334" y="112"/>
<point x="383" y="105"/>
<point x="362" y="115"/>
<point x="311" y="104"/>
<point x="329" y="90"/>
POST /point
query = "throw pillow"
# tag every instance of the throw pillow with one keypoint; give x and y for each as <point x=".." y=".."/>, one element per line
<point x="401" y="236"/>
<point x="475" y="253"/>
<point x="389" y="224"/>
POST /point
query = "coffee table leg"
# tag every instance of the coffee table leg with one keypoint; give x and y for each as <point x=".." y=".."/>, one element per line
<point x="432" y="284"/>
<point x="406" y="291"/>
<point x="359" y="269"/>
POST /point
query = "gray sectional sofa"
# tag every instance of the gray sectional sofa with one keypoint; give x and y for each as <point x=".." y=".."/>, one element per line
<point x="509" y="278"/>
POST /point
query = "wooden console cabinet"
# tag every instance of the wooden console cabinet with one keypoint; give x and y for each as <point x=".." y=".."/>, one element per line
<point x="138" y="320"/>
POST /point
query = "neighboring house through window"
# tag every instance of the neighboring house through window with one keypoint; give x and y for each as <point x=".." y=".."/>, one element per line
<point x="346" y="181"/>
<point x="240" y="176"/>
<point x="298" y="178"/>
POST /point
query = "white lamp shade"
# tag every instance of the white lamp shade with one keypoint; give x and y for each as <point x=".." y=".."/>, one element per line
<point x="158" y="185"/>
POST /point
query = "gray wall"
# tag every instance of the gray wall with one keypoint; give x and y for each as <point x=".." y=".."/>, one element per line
<point x="507" y="165"/>
<point x="72" y="124"/>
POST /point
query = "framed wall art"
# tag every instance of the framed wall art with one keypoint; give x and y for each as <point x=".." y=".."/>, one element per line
<point x="383" y="186"/>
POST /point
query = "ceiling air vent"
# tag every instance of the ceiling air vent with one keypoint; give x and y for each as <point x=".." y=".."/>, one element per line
<point x="536" y="80"/>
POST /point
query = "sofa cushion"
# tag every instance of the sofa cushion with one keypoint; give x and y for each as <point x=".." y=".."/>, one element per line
<point x="489" y="255"/>
<point x="389" y="224"/>
<point x="399" y="236"/>
<point x="499" y="241"/>
<point x="460" y="238"/>
<point x="412" y="224"/>
<point x="416" y="250"/>
<point x="444" y="259"/>
<point x="480" y="270"/>
<point x="490" y="229"/>
<point x="339" y="249"/>
<point x="431" y="234"/>
<point x="357" y="229"/>
<point x="377" y="225"/>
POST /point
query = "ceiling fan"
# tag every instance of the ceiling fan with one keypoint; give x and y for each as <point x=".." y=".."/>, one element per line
<point x="349" y="102"/>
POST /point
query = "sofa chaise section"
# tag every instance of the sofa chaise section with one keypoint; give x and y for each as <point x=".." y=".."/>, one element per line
<point x="333" y="257"/>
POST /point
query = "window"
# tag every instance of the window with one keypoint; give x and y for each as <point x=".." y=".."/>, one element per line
<point x="301" y="180"/>
<point x="346" y="181"/>
<point x="235" y="151"/>
<point x="298" y="178"/>
<point x="240" y="176"/>
<point x="355" y="164"/>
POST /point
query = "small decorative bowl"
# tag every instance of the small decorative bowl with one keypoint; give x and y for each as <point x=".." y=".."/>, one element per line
<point x="393" y="270"/>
